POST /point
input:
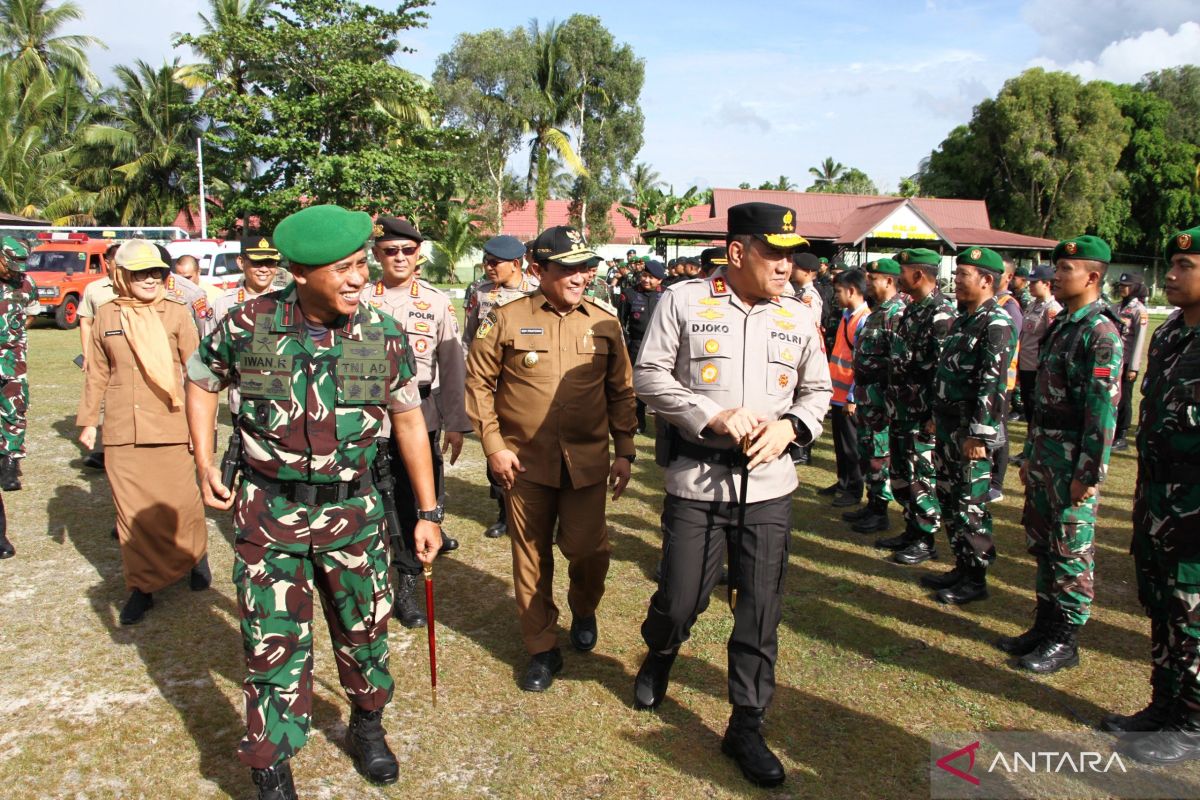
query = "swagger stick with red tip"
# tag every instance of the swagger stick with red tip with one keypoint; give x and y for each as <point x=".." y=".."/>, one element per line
<point x="432" y="631"/>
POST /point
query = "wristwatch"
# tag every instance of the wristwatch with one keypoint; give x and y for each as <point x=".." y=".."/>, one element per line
<point x="629" y="458"/>
<point x="434" y="515"/>
<point x="799" y="430"/>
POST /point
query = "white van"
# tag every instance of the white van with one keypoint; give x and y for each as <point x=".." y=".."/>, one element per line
<point x="217" y="257"/>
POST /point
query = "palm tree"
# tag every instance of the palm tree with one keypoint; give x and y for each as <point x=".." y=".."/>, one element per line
<point x="643" y="178"/>
<point x="553" y="107"/>
<point x="150" y="145"/>
<point x="460" y="238"/>
<point x="784" y="184"/>
<point x="826" y="175"/>
<point x="28" y="37"/>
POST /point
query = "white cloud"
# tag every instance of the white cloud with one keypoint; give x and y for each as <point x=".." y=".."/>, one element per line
<point x="1080" y="30"/>
<point x="1128" y="60"/>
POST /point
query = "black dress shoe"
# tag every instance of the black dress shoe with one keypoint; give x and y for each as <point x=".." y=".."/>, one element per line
<point x="136" y="607"/>
<point x="96" y="461"/>
<point x="895" y="542"/>
<point x="872" y="523"/>
<point x="1120" y="444"/>
<point x="830" y="491"/>
<point x="274" y="783"/>
<point x="6" y="547"/>
<point x="449" y="544"/>
<point x="971" y="588"/>
<point x="200" y="578"/>
<point x="650" y="685"/>
<point x="916" y="553"/>
<point x="366" y="741"/>
<point x="496" y="530"/>
<point x="542" y="669"/>
<point x="945" y="580"/>
<point x="583" y="633"/>
<point x="404" y="604"/>
<point x="1178" y="740"/>
<point x="844" y="499"/>
<point x="743" y="742"/>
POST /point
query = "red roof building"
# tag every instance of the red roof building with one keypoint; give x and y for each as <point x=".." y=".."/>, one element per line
<point x="838" y="223"/>
<point x="521" y="221"/>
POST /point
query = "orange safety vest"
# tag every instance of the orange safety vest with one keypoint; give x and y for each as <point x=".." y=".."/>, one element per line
<point x="841" y="362"/>
<point x="1002" y="301"/>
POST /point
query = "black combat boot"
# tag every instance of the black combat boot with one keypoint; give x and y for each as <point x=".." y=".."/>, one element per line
<point x="744" y="743"/>
<point x="650" y="685"/>
<point x="274" y="783"/>
<point x="902" y="541"/>
<point x="1152" y="717"/>
<point x="367" y="746"/>
<point x="405" y="606"/>
<point x="1178" y="740"/>
<point x="1058" y="649"/>
<point x="946" y="579"/>
<point x="972" y="587"/>
<point x="858" y="513"/>
<point x="10" y="473"/>
<point x="917" y="552"/>
<point x="1025" y="643"/>
<point x="875" y="520"/>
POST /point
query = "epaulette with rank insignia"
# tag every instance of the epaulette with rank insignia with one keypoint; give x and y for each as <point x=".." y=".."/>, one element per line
<point x="176" y="298"/>
<point x="596" y="301"/>
<point x="505" y="301"/>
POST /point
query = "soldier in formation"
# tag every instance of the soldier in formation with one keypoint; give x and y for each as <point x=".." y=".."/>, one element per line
<point x="968" y="408"/>
<point x="635" y="314"/>
<point x="1134" y="319"/>
<point x="320" y="375"/>
<point x="17" y="293"/>
<point x="917" y="347"/>
<point x="1066" y="454"/>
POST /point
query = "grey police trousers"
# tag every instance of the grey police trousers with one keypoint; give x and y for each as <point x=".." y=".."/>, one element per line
<point x="694" y="548"/>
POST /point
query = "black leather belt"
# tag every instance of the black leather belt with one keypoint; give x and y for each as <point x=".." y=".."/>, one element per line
<point x="311" y="494"/>
<point x="725" y="457"/>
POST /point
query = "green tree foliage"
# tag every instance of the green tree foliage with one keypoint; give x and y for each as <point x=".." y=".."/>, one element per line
<point x="782" y="184"/>
<point x="458" y="240"/>
<point x="322" y="114"/>
<point x="649" y="209"/>
<point x="1043" y="155"/>
<point x="33" y="46"/>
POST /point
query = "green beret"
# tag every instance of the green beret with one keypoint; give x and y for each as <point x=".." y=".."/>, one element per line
<point x="1092" y="248"/>
<point x="919" y="255"/>
<point x="983" y="258"/>
<point x="823" y="260"/>
<point x="1182" y="242"/>
<point x="320" y="235"/>
<point x="883" y="266"/>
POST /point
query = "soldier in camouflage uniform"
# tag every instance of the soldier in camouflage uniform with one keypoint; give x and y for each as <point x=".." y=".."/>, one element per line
<point x="502" y="257"/>
<point x="597" y="288"/>
<point x="872" y="356"/>
<point x="320" y="373"/>
<point x="968" y="405"/>
<point x="1066" y="454"/>
<point x="916" y="348"/>
<point x="1166" y="519"/>
<point x="17" y="292"/>
<point x="1020" y="286"/>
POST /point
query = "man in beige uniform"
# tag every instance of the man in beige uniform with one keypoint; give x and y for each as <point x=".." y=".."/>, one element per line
<point x="259" y="261"/>
<point x="427" y="318"/>
<point x="737" y="370"/>
<point x="502" y="256"/>
<point x="548" y="382"/>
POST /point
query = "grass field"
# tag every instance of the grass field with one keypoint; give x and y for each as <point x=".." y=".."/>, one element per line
<point x="869" y="665"/>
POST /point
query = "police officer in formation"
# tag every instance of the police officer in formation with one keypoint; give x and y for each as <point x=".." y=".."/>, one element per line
<point x="259" y="261"/>
<point x="872" y="357"/>
<point x="1166" y="520"/>
<point x="427" y="318"/>
<point x="917" y="348"/>
<point x="736" y="368"/>
<point x="321" y="375"/>
<point x="635" y="313"/>
<point x="1134" y="319"/>
<point x="968" y="408"/>
<point x="1066" y="454"/>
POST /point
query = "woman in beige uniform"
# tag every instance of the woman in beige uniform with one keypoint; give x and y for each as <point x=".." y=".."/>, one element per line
<point x="139" y="342"/>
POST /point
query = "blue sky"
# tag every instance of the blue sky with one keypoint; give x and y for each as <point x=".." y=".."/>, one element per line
<point x="751" y="90"/>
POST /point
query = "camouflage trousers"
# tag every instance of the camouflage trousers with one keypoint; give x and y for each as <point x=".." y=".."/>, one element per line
<point x="1166" y="556"/>
<point x="914" y="477"/>
<point x="962" y="487"/>
<point x="874" y="445"/>
<point x="14" y="399"/>
<point x="1061" y="536"/>
<point x="285" y="550"/>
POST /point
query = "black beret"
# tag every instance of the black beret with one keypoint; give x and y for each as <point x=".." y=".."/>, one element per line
<point x="806" y="261"/>
<point x="390" y="228"/>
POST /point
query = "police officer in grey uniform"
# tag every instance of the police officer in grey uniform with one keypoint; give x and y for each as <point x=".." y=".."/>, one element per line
<point x="736" y="368"/>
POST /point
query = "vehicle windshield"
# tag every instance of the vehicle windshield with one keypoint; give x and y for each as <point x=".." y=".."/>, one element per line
<point x="56" y="261"/>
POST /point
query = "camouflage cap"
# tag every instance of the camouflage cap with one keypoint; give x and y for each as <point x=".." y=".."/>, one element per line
<point x="1187" y="241"/>
<point x="1090" y="248"/>
<point x="983" y="258"/>
<point x="919" y="255"/>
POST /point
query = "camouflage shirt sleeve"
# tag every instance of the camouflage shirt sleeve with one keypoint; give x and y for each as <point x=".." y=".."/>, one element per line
<point x="403" y="394"/>
<point x="211" y="365"/>
<point x="997" y="343"/>
<point x="1100" y="372"/>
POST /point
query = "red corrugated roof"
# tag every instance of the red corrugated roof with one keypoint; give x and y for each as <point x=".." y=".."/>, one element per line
<point x="521" y="221"/>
